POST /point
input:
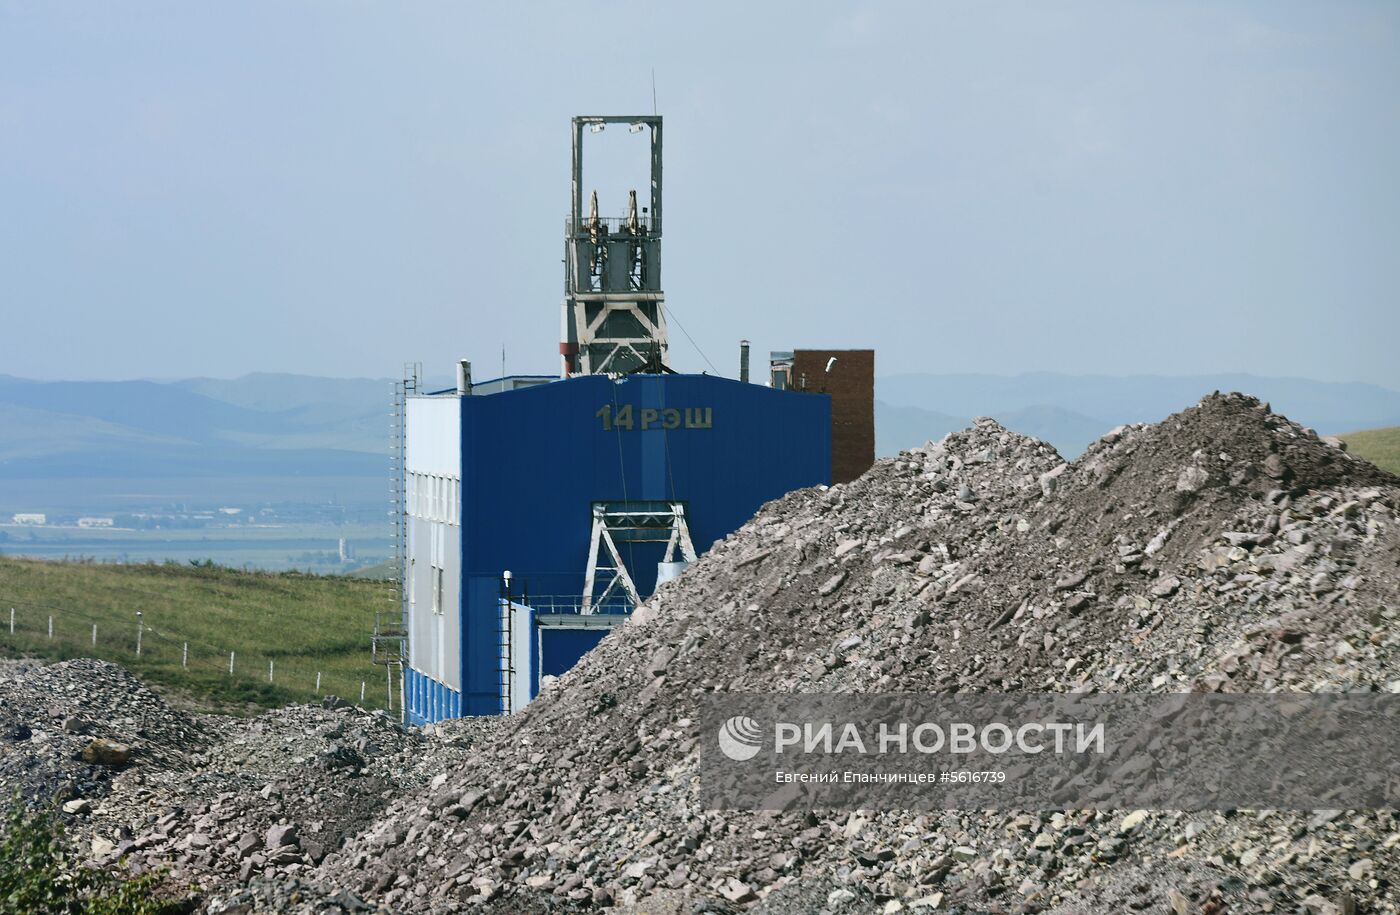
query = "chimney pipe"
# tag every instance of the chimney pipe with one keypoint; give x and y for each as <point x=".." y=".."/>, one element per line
<point x="744" y="361"/>
<point x="464" y="377"/>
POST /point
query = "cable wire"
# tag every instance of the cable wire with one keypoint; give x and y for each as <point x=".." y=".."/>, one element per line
<point x="671" y="313"/>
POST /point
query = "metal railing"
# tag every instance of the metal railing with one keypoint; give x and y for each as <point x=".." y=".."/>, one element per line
<point x="615" y="225"/>
<point x="573" y="603"/>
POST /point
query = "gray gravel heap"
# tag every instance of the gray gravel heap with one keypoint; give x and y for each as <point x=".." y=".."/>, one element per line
<point x="51" y="714"/>
<point x="271" y="795"/>
<point x="1225" y="549"/>
<point x="224" y="807"/>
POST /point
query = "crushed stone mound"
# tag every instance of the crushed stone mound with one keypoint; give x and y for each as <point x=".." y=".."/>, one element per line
<point x="216" y="803"/>
<point x="1224" y="549"/>
<point x="267" y="799"/>
<point x="50" y="714"/>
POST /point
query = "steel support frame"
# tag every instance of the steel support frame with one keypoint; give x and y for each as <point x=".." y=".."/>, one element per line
<point x="608" y="519"/>
<point x="588" y="332"/>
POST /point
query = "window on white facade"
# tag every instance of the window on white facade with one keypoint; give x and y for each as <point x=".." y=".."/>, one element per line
<point x="437" y="590"/>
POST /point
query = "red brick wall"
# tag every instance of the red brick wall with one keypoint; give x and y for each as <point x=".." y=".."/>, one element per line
<point x="851" y="385"/>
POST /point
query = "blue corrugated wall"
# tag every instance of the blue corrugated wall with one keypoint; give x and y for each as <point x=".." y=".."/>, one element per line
<point x="428" y="700"/>
<point x="535" y="460"/>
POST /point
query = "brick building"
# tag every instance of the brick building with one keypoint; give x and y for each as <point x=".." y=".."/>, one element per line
<point x="848" y="375"/>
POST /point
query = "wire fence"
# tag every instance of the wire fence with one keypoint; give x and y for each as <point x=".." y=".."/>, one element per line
<point x="142" y="644"/>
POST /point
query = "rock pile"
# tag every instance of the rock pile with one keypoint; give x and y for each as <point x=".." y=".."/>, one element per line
<point x="1223" y="549"/>
<point x="214" y="802"/>
<point x="269" y="797"/>
<point x="67" y="730"/>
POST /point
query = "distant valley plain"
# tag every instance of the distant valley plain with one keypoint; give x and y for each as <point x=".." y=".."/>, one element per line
<point x="274" y="471"/>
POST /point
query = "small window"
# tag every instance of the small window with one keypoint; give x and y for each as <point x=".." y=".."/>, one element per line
<point x="437" y="590"/>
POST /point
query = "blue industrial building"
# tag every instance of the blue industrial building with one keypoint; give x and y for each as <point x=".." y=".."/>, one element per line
<point x="509" y="481"/>
<point x="538" y="511"/>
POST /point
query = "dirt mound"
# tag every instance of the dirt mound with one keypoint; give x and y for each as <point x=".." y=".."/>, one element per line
<point x="1223" y="549"/>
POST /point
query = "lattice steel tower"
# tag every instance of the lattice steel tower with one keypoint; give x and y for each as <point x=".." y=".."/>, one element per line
<point x="614" y="311"/>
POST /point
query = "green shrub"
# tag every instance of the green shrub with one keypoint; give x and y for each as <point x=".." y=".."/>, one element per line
<point x="38" y="874"/>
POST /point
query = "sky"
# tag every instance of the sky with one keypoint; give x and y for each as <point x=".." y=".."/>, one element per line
<point x="340" y="188"/>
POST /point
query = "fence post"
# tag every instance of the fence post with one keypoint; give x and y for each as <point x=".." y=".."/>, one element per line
<point x="269" y="671"/>
<point x="318" y="683"/>
<point x="230" y="663"/>
<point x="12" y="621"/>
<point x="139" y="627"/>
<point x="362" y="692"/>
<point x="50" y="625"/>
<point x="185" y="655"/>
<point x="94" y="635"/>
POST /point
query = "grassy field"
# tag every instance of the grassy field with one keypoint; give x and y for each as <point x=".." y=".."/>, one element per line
<point x="302" y="624"/>
<point x="1379" y="446"/>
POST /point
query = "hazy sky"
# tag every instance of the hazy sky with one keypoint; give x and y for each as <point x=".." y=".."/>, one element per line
<point x="335" y="188"/>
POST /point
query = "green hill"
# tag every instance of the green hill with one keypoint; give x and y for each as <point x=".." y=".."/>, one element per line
<point x="1379" y="446"/>
<point x="302" y="624"/>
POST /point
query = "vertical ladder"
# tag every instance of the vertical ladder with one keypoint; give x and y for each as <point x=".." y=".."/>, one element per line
<point x="505" y="657"/>
<point x="389" y="644"/>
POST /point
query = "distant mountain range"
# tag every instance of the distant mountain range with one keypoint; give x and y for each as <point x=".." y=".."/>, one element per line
<point x="1070" y="411"/>
<point x="255" y="426"/>
<point x="267" y="425"/>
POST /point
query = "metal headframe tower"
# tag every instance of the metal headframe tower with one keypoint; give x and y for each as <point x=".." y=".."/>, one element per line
<point x="614" y="317"/>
